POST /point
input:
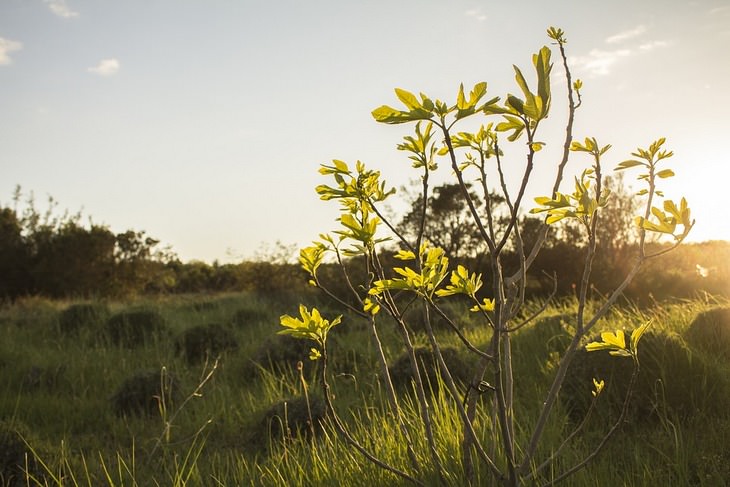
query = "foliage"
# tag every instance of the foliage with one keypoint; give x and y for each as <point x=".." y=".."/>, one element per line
<point x="133" y="328"/>
<point x="74" y="431"/>
<point x="80" y="316"/>
<point x="429" y="274"/>
<point x="205" y="342"/>
<point x="57" y="256"/>
<point x="711" y="331"/>
<point x="146" y="393"/>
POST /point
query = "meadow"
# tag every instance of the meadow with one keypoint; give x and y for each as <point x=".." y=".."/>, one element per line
<point x="207" y="394"/>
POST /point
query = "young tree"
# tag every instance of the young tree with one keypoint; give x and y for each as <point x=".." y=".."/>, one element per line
<point x="429" y="277"/>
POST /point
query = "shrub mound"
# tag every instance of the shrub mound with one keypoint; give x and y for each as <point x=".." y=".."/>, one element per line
<point x="135" y="327"/>
<point x="280" y="352"/>
<point x="203" y="342"/>
<point x="548" y="334"/>
<point x="140" y="395"/>
<point x="710" y="331"/>
<point x="82" y="316"/>
<point x="400" y="370"/>
<point x="290" y="418"/>
<point x="671" y="381"/>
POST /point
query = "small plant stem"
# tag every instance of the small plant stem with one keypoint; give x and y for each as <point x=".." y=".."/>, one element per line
<point x="468" y="426"/>
<point x="345" y="434"/>
<point x="465" y="190"/>
<point x="555" y="454"/>
<point x="521" y="193"/>
<point x="424" y="407"/>
<point x="608" y="435"/>
<point x="392" y="397"/>
<point x="446" y="377"/>
<point x="305" y="390"/>
<point x="572" y="106"/>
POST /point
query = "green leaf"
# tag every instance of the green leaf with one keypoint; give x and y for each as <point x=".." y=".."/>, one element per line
<point x="615" y="343"/>
<point x="665" y="173"/>
<point x="516" y="104"/>
<point x="522" y="83"/>
<point x="637" y="334"/>
<point x="543" y="66"/>
<point x="628" y="164"/>
<point x="408" y="99"/>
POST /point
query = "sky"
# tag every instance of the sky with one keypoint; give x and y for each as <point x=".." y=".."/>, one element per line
<point x="204" y="123"/>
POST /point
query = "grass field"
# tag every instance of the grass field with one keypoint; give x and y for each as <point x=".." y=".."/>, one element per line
<point x="244" y="420"/>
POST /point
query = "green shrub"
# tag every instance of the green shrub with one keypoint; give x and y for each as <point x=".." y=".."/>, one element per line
<point x="205" y="341"/>
<point x="134" y="328"/>
<point x="671" y="381"/>
<point x="82" y="316"/>
<point x="401" y="374"/>
<point x="282" y="352"/>
<point x="290" y="419"/>
<point x="710" y="331"/>
<point x="143" y="394"/>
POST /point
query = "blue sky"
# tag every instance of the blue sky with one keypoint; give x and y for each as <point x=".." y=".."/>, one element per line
<point x="204" y="122"/>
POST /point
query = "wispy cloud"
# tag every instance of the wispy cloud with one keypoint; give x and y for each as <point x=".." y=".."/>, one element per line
<point x="61" y="8"/>
<point x="719" y="10"/>
<point x="6" y="47"/>
<point x="600" y="61"/>
<point x="106" y="67"/>
<point x="477" y="14"/>
<point x="650" y="46"/>
<point x="625" y="35"/>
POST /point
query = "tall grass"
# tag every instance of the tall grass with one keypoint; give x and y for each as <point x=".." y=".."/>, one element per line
<point x="215" y="436"/>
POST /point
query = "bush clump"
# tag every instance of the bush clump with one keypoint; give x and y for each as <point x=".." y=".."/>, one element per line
<point x="546" y="335"/>
<point x="400" y="370"/>
<point x="82" y="316"/>
<point x="290" y="419"/>
<point x="203" y="342"/>
<point x="710" y="331"/>
<point x="143" y="393"/>
<point x="134" y="328"/>
<point x="671" y="381"/>
<point x="281" y="352"/>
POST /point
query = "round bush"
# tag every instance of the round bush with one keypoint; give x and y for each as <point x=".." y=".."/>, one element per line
<point x="400" y="370"/>
<point x="281" y="352"/>
<point x="671" y="381"/>
<point x="82" y="316"/>
<point x="134" y="328"/>
<point x="710" y="331"/>
<point x="140" y="395"/>
<point x="289" y="418"/>
<point x="544" y="336"/>
<point x="203" y="342"/>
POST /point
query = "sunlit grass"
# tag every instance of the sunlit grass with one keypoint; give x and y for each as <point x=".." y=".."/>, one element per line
<point x="67" y="420"/>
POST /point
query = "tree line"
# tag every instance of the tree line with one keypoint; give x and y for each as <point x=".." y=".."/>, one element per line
<point x="46" y="254"/>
